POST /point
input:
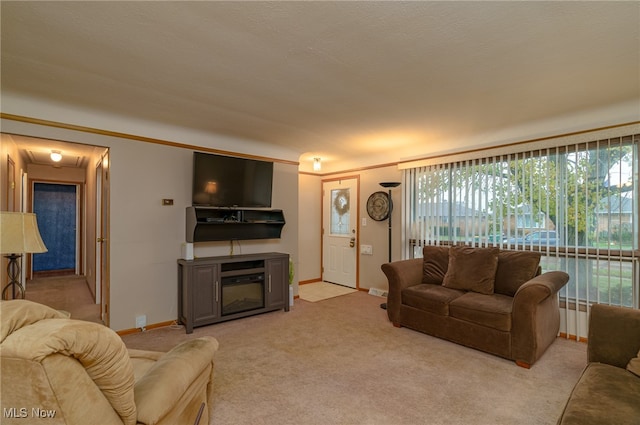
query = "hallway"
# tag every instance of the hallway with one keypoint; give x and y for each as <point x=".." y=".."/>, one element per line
<point x="69" y="293"/>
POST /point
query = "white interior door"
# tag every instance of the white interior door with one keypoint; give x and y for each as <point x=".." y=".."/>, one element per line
<point x="102" y="238"/>
<point x="339" y="232"/>
<point x="98" y="233"/>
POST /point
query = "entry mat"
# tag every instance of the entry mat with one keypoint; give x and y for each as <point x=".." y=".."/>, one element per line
<point x="319" y="291"/>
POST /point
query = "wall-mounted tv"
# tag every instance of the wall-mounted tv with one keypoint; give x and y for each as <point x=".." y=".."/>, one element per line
<point x="225" y="181"/>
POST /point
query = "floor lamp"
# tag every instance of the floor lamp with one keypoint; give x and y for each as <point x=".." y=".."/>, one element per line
<point x="389" y="185"/>
<point x="18" y="235"/>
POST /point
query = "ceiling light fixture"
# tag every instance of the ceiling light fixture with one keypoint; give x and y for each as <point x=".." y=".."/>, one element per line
<point x="56" y="156"/>
<point x="317" y="166"/>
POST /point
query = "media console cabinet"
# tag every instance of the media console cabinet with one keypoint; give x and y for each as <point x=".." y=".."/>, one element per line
<point x="217" y="289"/>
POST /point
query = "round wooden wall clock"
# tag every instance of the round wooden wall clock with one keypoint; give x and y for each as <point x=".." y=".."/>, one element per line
<point x="378" y="206"/>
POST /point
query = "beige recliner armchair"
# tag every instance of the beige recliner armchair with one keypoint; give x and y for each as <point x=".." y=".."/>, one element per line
<point x="75" y="372"/>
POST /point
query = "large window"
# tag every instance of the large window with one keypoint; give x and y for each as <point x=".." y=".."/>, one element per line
<point x="577" y="204"/>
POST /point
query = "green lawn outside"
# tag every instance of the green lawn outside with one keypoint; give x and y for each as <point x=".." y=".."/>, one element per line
<point x="609" y="281"/>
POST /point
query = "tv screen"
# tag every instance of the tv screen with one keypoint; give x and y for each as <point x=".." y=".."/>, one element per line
<point x="225" y="181"/>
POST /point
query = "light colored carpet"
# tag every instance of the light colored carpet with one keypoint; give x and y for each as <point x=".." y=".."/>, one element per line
<point x="341" y="361"/>
<point x="69" y="293"/>
<point x="318" y="291"/>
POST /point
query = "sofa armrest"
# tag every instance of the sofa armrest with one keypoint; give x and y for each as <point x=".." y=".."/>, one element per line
<point x="536" y="316"/>
<point x="404" y="273"/>
<point x="614" y="335"/>
<point x="540" y="287"/>
<point x="400" y="275"/>
<point x="158" y="391"/>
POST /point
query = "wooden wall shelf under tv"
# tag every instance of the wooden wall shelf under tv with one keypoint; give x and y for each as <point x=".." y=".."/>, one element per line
<point x="206" y="224"/>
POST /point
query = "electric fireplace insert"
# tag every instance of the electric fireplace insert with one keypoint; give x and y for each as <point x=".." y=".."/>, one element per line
<point x="242" y="293"/>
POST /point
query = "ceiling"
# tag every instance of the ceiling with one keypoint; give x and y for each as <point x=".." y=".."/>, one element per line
<point x="372" y="81"/>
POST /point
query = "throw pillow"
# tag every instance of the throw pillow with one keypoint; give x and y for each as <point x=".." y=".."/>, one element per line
<point x="634" y="365"/>
<point x="435" y="262"/>
<point x="514" y="269"/>
<point x="472" y="269"/>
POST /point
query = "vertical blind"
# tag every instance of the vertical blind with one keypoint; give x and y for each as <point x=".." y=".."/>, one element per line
<point x="576" y="204"/>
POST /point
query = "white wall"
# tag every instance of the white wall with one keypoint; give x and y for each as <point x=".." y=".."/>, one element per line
<point x="309" y="208"/>
<point x="9" y="150"/>
<point x="146" y="237"/>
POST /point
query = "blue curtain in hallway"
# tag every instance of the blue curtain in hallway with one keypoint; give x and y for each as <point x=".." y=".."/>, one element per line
<point x="55" y="208"/>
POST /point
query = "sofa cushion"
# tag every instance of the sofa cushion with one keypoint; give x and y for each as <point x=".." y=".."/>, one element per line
<point x="471" y="269"/>
<point x="514" y="269"/>
<point x="634" y="365"/>
<point x="432" y="298"/>
<point x="604" y="394"/>
<point x="435" y="263"/>
<point x="492" y="311"/>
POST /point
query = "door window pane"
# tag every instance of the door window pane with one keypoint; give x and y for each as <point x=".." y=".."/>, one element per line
<point x="340" y="211"/>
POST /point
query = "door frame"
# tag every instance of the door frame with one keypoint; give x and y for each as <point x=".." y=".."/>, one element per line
<point x="79" y="269"/>
<point x="355" y="177"/>
<point x="102" y="242"/>
<point x="11" y="185"/>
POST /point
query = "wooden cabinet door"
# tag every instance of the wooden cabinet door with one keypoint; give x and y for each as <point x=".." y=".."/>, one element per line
<point x="206" y="293"/>
<point x="277" y="289"/>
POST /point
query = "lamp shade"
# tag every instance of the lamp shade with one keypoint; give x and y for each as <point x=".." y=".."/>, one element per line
<point x="19" y="233"/>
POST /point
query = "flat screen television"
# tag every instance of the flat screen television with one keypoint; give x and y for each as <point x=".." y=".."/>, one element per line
<point x="225" y="181"/>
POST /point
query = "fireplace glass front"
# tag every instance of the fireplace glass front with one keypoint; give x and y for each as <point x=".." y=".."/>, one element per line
<point x="242" y="293"/>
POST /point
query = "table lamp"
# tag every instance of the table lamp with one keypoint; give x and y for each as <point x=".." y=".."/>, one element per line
<point x="18" y="235"/>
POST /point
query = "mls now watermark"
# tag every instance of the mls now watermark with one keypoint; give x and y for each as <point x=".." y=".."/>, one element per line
<point x="23" y="413"/>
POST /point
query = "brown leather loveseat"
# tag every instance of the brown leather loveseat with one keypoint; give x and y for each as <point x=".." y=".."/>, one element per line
<point x="485" y="298"/>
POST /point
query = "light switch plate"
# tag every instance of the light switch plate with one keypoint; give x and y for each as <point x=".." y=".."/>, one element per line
<point x="366" y="250"/>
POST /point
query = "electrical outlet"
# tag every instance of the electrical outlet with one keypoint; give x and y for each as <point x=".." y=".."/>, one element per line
<point x="141" y="321"/>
